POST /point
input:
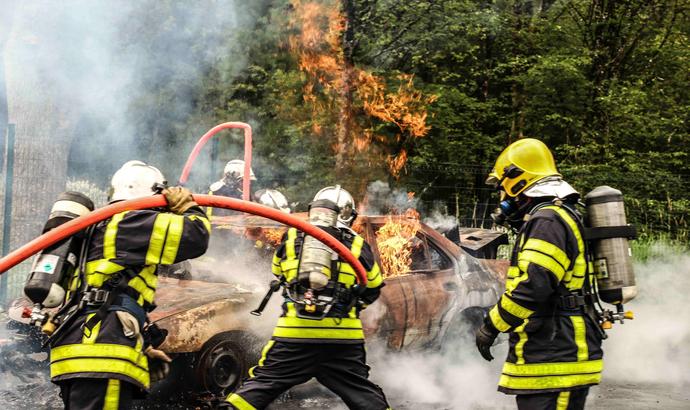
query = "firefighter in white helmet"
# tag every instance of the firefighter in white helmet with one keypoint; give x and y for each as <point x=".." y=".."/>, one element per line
<point x="229" y="185"/>
<point x="555" y="349"/>
<point x="108" y="355"/>
<point x="322" y="342"/>
<point x="272" y="198"/>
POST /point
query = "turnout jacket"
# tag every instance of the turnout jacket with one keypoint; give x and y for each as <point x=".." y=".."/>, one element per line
<point x="551" y="348"/>
<point x="291" y="328"/>
<point x="137" y="241"/>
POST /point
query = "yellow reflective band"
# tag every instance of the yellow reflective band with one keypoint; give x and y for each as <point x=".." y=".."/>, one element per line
<point x="172" y="243"/>
<point x="553" y="369"/>
<point x="580" y="266"/>
<point x="327" y="328"/>
<point x="138" y="284"/>
<point x="264" y="352"/>
<point x="158" y="234"/>
<point x="239" y="402"/>
<point x="548" y="382"/>
<point x="109" y="250"/>
<point x="289" y="264"/>
<point x="99" y="358"/>
<point x="520" y="345"/>
<point x="106" y="350"/>
<point x="513" y="283"/>
<point x="580" y="337"/>
<point x="112" y="395"/>
<point x="276" y="270"/>
<point x="203" y="220"/>
<point x="290" y="244"/>
<point x="497" y="320"/>
<point x="548" y="248"/>
<point x="148" y="274"/>
<point x="542" y="260"/>
<point x="563" y="400"/>
<point x="100" y="365"/>
<point x="103" y="266"/>
<point x="89" y="337"/>
<point x="513" y="272"/>
<point x="318" y="333"/>
<point x="356" y="248"/>
<point x="374" y="277"/>
<point x="514" y="309"/>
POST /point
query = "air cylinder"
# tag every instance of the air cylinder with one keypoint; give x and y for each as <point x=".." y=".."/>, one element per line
<point x="54" y="267"/>
<point x="613" y="265"/>
<point x="316" y="258"/>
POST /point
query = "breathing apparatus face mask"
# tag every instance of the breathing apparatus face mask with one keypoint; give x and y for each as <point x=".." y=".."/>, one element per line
<point x="511" y="211"/>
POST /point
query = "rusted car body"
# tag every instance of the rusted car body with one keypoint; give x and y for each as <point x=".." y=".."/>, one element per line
<point x="215" y="339"/>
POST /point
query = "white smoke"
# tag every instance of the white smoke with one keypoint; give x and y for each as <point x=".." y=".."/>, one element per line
<point x="648" y="357"/>
<point x="440" y="221"/>
<point x="655" y="346"/>
<point x="381" y="199"/>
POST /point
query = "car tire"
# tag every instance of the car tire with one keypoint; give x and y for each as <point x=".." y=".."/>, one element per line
<point x="223" y="362"/>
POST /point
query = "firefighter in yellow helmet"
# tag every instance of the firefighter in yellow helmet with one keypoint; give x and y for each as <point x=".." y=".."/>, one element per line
<point x="554" y="343"/>
<point x="108" y="354"/>
<point x="325" y="342"/>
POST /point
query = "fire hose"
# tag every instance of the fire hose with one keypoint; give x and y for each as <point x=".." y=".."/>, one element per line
<point x="157" y="201"/>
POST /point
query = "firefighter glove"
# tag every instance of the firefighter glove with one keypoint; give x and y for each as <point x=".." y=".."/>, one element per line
<point x="485" y="337"/>
<point x="179" y="199"/>
<point x="159" y="364"/>
<point x="154" y="336"/>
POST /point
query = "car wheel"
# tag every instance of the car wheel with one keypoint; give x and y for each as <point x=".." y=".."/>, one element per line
<point x="223" y="362"/>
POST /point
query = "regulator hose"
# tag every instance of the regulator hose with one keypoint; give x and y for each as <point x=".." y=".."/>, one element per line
<point x="158" y="201"/>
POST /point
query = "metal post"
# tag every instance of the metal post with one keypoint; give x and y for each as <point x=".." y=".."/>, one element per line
<point x="7" y="217"/>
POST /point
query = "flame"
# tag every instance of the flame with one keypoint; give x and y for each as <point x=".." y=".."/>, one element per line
<point x="395" y="241"/>
<point x="350" y="100"/>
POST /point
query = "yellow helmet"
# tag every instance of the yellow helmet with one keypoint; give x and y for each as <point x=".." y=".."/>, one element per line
<point x="521" y="165"/>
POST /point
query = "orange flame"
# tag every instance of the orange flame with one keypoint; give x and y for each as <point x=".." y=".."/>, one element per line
<point x="335" y="90"/>
<point x="396" y="242"/>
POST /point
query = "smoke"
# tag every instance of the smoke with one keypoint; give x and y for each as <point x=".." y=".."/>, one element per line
<point x="655" y="346"/>
<point x="440" y="221"/>
<point x="381" y="199"/>
<point x="122" y="75"/>
<point x="646" y="358"/>
<point x="455" y="377"/>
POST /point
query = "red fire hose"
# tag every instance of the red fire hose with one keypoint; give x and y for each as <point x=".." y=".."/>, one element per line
<point x="70" y="228"/>
<point x="209" y="134"/>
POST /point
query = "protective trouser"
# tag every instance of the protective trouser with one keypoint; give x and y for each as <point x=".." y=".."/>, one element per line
<point x="565" y="400"/>
<point x="96" y="394"/>
<point x="340" y="367"/>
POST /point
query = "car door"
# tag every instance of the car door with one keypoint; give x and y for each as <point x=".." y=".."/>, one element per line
<point x="413" y="304"/>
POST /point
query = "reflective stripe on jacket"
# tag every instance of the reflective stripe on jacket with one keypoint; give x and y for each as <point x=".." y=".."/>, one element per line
<point x="139" y="241"/>
<point x="290" y="328"/>
<point x="551" y="349"/>
<point x="142" y="240"/>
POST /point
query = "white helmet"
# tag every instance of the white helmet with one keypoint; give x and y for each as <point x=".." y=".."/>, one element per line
<point x="343" y="199"/>
<point x="135" y="179"/>
<point x="273" y="199"/>
<point x="234" y="170"/>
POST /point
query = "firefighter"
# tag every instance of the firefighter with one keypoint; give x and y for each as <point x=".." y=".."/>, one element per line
<point x="229" y="185"/>
<point x="328" y="347"/>
<point x="554" y="343"/>
<point x="102" y="360"/>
